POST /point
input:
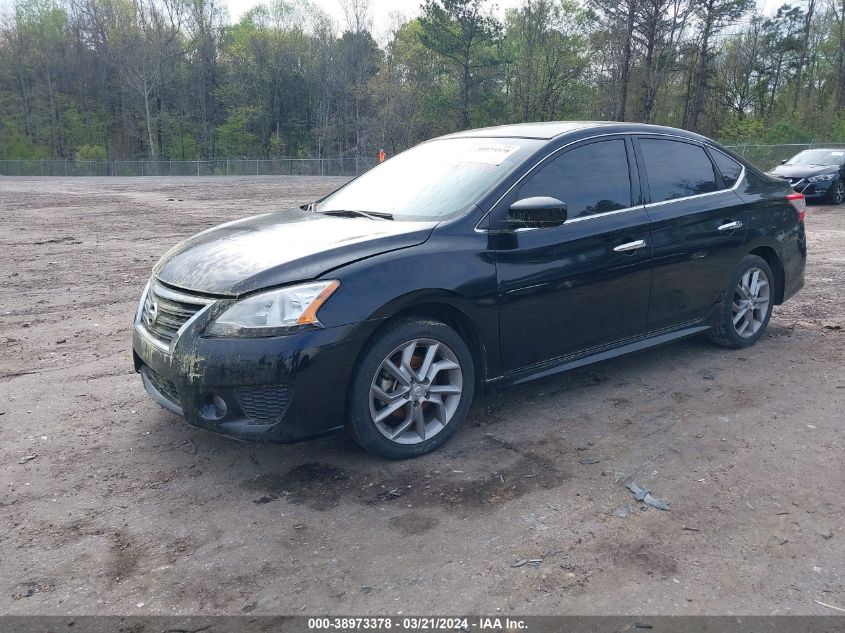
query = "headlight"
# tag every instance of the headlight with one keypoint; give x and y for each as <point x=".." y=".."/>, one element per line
<point x="821" y="178"/>
<point x="142" y="301"/>
<point x="276" y="312"/>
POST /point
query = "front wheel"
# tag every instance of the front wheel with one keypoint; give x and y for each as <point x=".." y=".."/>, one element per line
<point x="411" y="389"/>
<point x="836" y="193"/>
<point x="748" y="304"/>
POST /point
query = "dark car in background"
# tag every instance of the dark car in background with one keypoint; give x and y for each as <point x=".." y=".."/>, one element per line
<point x="476" y="260"/>
<point x="817" y="173"/>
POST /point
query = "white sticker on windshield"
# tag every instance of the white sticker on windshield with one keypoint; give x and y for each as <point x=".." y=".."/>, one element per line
<point x="488" y="154"/>
<point x="837" y="153"/>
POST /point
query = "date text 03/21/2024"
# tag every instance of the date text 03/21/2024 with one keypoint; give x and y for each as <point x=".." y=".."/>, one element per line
<point x="417" y="624"/>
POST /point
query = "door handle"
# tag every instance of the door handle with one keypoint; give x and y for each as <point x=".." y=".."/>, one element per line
<point x="629" y="246"/>
<point x="730" y="226"/>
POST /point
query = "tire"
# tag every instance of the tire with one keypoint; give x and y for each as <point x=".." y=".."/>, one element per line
<point x="740" y="326"/>
<point x="435" y="380"/>
<point x="836" y="193"/>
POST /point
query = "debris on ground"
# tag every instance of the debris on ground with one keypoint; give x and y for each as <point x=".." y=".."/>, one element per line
<point x="624" y="511"/>
<point x="644" y="495"/>
<point x="520" y="562"/>
<point x="388" y="495"/>
<point x="586" y="461"/>
<point x="829" y="606"/>
<point x="27" y="458"/>
<point x="824" y="532"/>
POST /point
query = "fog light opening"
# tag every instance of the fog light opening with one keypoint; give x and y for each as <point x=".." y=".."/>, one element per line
<point x="213" y="407"/>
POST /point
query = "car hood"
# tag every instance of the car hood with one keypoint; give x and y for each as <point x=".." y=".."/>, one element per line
<point x="280" y="247"/>
<point x="802" y="171"/>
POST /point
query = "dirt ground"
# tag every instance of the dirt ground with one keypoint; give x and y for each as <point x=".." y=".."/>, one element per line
<point x="123" y="508"/>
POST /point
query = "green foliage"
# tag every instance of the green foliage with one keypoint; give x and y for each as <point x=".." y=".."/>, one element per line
<point x="182" y="147"/>
<point x="467" y="41"/>
<point x="235" y="136"/>
<point x="91" y="152"/>
<point x="786" y="132"/>
<point x="174" y="80"/>
<point x="748" y="130"/>
<point x="14" y="144"/>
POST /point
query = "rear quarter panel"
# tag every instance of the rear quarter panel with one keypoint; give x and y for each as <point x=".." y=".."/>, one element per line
<point x="773" y="222"/>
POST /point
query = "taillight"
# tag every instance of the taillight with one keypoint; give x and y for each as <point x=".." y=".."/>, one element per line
<point x="798" y="201"/>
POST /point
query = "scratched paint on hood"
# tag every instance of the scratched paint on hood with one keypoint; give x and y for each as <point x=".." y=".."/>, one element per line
<point x="280" y="247"/>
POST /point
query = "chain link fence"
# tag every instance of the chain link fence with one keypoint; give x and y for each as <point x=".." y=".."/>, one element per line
<point x="763" y="156"/>
<point x="219" y="167"/>
<point x="767" y="157"/>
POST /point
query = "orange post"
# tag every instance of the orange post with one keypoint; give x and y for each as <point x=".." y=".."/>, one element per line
<point x="381" y="156"/>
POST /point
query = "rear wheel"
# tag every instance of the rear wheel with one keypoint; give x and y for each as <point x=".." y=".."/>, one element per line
<point x="748" y="304"/>
<point x="411" y="389"/>
<point x="836" y="193"/>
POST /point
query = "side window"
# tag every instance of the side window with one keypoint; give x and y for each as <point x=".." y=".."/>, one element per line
<point x="676" y="169"/>
<point x="590" y="179"/>
<point x="728" y="166"/>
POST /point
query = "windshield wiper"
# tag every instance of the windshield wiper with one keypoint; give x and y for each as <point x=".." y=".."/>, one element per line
<point x="373" y="215"/>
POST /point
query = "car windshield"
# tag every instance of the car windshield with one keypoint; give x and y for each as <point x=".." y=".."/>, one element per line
<point x="818" y="157"/>
<point x="434" y="180"/>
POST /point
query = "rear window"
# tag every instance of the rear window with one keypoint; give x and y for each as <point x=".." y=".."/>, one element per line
<point x="728" y="166"/>
<point x="676" y="169"/>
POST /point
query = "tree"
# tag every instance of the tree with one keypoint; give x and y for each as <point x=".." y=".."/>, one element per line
<point x="547" y="59"/>
<point x="146" y="47"/>
<point x="658" y="30"/>
<point x="468" y="41"/>
<point x="173" y="79"/>
<point x="714" y="16"/>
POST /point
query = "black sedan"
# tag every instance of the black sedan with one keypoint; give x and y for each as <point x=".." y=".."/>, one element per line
<point x="817" y="173"/>
<point x="473" y="261"/>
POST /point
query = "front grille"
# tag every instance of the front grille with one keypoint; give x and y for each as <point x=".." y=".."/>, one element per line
<point x="264" y="404"/>
<point x="162" y="385"/>
<point x="166" y="310"/>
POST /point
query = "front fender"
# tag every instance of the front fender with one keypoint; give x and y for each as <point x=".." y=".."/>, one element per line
<point x="452" y="270"/>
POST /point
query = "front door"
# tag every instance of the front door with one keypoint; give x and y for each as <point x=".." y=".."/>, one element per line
<point x="585" y="283"/>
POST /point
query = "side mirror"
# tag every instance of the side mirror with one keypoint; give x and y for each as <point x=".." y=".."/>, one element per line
<point x="783" y="162"/>
<point x="538" y="211"/>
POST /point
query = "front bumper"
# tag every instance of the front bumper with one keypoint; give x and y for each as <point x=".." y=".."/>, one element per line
<point x="813" y="190"/>
<point x="277" y="389"/>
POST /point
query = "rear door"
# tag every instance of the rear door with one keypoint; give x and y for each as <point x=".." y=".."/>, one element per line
<point x="585" y="283"/>
<point x="698" y="226"/>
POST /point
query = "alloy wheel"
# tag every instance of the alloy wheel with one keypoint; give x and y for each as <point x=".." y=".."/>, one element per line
<point x="416" y="391"/>
<point x="751" y="302"/>
<point x="839" y="194"/>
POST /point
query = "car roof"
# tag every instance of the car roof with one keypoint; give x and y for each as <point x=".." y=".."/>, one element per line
<point x="551" y="129"/>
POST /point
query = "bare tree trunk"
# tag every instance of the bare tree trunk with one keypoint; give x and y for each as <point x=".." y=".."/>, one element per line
<point x="648" y="87"/>
<point x="54" y="119"/>
<point x="466" y="78"/>
<point x="802" y="59"/>
<point x="701" y="78"/>
<point x="625" y="71"/>
<point x="149" y="120"/>
<point x="840" y="62"/>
